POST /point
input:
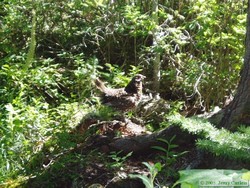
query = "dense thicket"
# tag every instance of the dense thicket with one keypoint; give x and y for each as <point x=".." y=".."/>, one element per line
<point x="51" y="50"/>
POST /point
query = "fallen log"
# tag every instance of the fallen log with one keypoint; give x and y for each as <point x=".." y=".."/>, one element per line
<point x="143" y="143"/>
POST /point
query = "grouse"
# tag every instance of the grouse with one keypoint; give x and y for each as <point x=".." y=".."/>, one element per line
<point x="122" y="99"/>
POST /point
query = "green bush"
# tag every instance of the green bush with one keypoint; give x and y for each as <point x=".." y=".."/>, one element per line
<point x="52" y="50"/>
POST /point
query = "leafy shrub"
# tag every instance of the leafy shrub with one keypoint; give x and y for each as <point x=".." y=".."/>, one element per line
<point x="51" y="51"/>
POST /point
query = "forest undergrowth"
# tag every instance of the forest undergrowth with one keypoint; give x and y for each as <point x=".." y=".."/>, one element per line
<point x="50" y="53"/>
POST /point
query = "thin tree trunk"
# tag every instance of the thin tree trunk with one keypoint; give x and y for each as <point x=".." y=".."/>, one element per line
<point x="238" y="111"/>
<point x="157" y="57"/>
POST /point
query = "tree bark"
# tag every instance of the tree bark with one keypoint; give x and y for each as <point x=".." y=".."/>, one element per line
<point x="238" y="111"/>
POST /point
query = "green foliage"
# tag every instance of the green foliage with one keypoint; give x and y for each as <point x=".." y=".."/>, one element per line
<point x="206" y="33"/>
<point x="118" y="160"/>
<point x="168" y="156"/>
<point x="138" y="23"/>
<point x="40" y="104"/>
<point x="51" y="51"/>
<point x="28" y="130"/>
<point x="148" y="181"/>
<point x="117" y="76"/>
<point x="189" y="35"/>
<point x="66" y="169"/>
<point x="222" y="142"/>
<point x="198" y="178"/>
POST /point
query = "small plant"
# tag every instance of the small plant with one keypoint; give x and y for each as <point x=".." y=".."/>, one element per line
<point x="168" y="157"/>
<point x="148" y="181"/>
<point x="117" y="159"/>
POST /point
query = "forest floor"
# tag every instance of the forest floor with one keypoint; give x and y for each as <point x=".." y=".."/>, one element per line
<point x="123" y="154"/>
<point x="105" y="164"/>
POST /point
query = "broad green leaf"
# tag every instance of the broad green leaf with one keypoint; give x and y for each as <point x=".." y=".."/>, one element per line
<point x="246" y="176"/>
<point x="194" y="177"/>
<point x="146" y="181"/>
<point x="158" y="166"/>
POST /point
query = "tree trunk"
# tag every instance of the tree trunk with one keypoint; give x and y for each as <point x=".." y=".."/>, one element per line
<point x="238" y="111"/>
<point x="157" y="56"/>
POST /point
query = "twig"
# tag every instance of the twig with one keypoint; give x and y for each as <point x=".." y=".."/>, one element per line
<point x="196" y="90"/>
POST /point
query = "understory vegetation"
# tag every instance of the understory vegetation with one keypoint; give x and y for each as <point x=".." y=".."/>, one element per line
<point x="51" y="51"/>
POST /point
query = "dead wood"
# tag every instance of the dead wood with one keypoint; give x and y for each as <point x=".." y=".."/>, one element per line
<point x="141" y="144"/>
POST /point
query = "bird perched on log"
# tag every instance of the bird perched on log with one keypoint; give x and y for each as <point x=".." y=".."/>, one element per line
<point x="122" y="99"/>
